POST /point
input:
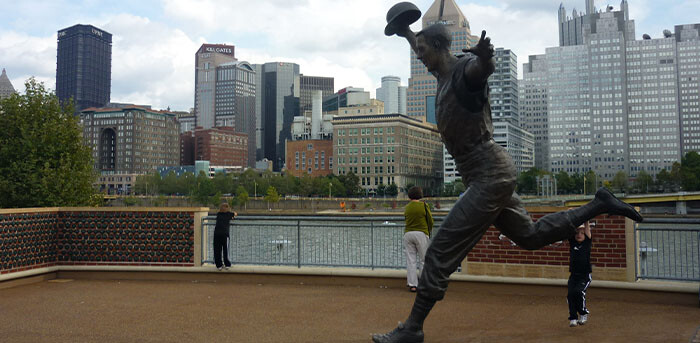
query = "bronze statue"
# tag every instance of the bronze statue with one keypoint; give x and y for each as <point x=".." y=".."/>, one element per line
<point x="463" y="116"/>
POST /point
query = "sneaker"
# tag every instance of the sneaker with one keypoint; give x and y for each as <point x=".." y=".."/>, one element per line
<point x="219" y="268"/>
<point x="227" y="267"/>
<point x="583" y="319"/>
<point x="573" y="322"/>
<point x="399" y="335"/>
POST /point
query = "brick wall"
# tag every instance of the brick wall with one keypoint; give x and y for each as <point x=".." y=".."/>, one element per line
<point x="46" y="238"/>
<point x="27" y="241"/>
<point x="608" y="251"/>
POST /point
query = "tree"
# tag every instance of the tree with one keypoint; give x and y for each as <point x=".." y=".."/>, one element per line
<point x="381" y="189"/>
<point x="223" y="183"/>
<point x="169" y="184"/>
<point x="527" y="181"/>
<point x="690" y="171"/>
<point x="351" y="183"/>
<point x="203" y="189"/>
<point x="272" y="196"/>
<point x="620" y="181"/>
<point x="675" y="175"/>
<point x="590" y="181"/>
<point x="43" y="161"/>
<point x="565" y="184"/>
<point x="392" y="190"/>
<point x="148" y="184"/>
<point x="459" y="187"/>
<point x="242" y="196"/>
<point x="643" y="181"/>
<point x="663" y="180"/>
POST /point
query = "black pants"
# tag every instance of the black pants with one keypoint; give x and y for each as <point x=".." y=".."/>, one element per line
<point x="221" y="245"/>
<point x="578" y="284"/>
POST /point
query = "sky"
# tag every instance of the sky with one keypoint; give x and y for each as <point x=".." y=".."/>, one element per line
<point x="154" y="41"/>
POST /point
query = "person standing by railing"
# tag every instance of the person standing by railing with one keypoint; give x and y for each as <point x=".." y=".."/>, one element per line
<point x="221" y="235"/>
<point x="419" y="224"/>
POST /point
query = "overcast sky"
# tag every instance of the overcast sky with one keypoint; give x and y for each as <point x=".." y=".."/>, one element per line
<point x="154" y="42"/>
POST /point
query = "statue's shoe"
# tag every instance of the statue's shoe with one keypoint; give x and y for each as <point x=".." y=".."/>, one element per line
<point x="615" y="206"/>
<point x="399" y="335"/>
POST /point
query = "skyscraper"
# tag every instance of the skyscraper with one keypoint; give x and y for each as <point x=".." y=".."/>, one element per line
<point x="423" y="85"/>
<point x="687" y="51"/>
<point x="84" y="66"/>
<point x="277" y="103"/>
<point x="6" y="88"/>
<point x="234" y="104"/>
<point x="392" y="94"/>
<point x="614" y="103"/>
<point x="207" y="58"/>
<point x="532" y="100"/>
<point x="308" y="85"/>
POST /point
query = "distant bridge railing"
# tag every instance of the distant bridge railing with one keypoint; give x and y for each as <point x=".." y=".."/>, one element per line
<point x="359" y="242"/>
<point x="668" y="249"/>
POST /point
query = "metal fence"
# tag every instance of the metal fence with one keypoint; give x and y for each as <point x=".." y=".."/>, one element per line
<point x="668" y="249"/>
<point x="361" y="242"/>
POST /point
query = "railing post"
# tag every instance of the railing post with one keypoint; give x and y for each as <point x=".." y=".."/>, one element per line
<point x="371" y="242"/>
<point x="298" y="243"/>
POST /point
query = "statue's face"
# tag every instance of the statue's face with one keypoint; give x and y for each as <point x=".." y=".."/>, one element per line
<point x="426" y="53"/>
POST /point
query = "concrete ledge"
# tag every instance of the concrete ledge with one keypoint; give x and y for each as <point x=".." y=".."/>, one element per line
<point x="644" y="285"/>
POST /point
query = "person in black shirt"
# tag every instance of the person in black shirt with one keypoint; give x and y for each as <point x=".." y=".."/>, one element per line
<point x="221" y="235"/>
<point x="580" y="278"/>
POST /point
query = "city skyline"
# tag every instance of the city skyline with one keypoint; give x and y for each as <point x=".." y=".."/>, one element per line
<point x="154" y="40"/>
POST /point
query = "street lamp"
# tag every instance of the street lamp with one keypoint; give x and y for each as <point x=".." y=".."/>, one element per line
<point x="329" y="189"/>
<point x="255" y="187"/>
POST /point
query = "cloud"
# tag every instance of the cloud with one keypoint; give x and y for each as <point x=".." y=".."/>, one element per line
<point x="525" y="32"/>
<point x="24" y="56"/>
<point x="324" y="36"/>
<point x="152" y="64"/>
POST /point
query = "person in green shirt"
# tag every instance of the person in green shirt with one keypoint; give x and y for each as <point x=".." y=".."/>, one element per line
<point x="419" y="224"/>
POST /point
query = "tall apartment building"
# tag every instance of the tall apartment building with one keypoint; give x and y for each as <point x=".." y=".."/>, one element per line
<point x="422" y="85"/>
<point x="687" y="52"/>
<point x="207" y="58"/>
<point x="652" y="105"/>
<point x="235" y="101"/>
<point x="6" y="89"/>
<point x="129" y="141"/>
<point x="519" y="144"/>
<point x="392" y="94"/>
<point x="277" y="104"/>
<point x="84" y="66"/>
<point x="310" y="84"/>
<point x="388" y="148"/>
<point x="503" y="84"/>
<point x="615" y="103"/>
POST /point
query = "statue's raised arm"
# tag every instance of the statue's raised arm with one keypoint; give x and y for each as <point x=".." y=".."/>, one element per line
<point x="477" y="73"/>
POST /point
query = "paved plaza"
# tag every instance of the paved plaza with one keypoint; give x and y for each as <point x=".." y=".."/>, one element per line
<point x="230" y="307"/>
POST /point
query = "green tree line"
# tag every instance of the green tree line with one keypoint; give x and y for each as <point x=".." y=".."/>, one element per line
<point x="250" y="183"/>
<point x="683" y="176"/>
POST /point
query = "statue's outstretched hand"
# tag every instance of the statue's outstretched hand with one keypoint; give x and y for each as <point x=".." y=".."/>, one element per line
<point x="483" y="49"/>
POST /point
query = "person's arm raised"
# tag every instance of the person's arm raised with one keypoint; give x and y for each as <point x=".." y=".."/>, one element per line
<point x="407" y="33"/>
<point x="478" y="72"/>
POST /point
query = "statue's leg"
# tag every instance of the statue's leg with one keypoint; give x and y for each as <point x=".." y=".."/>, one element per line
<point x="516" y="224"/>
<point x="459" y="232"/>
